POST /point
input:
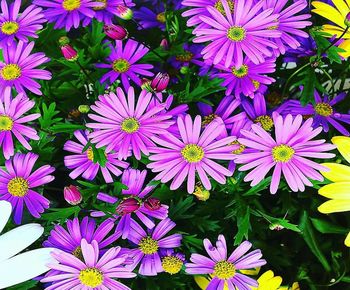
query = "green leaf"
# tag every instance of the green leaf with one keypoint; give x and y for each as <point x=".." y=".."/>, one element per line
<point x="177" y="211"/>
<point x="259" y="187"/>
<point x="60" y="213"/>
<point x="325" y="227"/>
<point x="48" y="116"/>
<point x="66" y="128"/>
<point x="310" y="239"/>
<point x="24" y="286"/>
<point x="243" y="226"/>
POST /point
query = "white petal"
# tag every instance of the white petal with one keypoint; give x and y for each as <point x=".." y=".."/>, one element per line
<point x="25" y="267"/>
<point x="16" y="240"/>
<point x="5" y="212"/>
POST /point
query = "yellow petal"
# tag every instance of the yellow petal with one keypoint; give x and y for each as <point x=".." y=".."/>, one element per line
<point x="295" y="286"/>
<point x="343" y="145"/>
<point x="338" y="172"/>
<point x="347" y="240"/>
<point x="337" y="205"/>
<point x="337" y="190"/>
<point x="334" y="30"/>
<point x="346" y="46"/>
<point x="254" y="271"/>
<point x="266" y="276"/>
<point x="342" y="7"/>
<point x="328" y="12"/>
<point x="202" y="282"/>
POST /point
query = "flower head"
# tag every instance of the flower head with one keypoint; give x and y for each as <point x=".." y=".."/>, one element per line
<point x="172" y="262"/>
<point x="122" y="63"/>
<point x="115" y="32"/>
<point x="122" y="125"/>
<point x="17" y="182"/>
<point x="72" y="195"/>
<point x="148" y="18"/>
<point x="192" y="153"/>
<point x="91" y="272"/>
<point x="84" y="163"/>
<point x="223" y="269"/>
<point x="12" y="122"/>
<point x="18" y="69"/>
<point x="16" y="25"/>
<point x="286" y="153"/>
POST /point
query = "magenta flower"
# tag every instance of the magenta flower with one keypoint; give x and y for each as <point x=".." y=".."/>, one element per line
<point x="226" y="270"/>
<point x="12" y="120"/>
<point x="286" y="153"/>
<point x="19" y="68"/>
<point x="17" y="182"/>
<point x="70" y="240"/>
<point x="136" y="203"/>
<point x="122" y="125"/>
<point x="122" y="62"/>
<point x="72" y="195"/>
<point x="244" y="31"/>
<point x="193" y="153"/>
<point x="150" y="244"/>
<point x="248" y="79"/>
<point x="91" y="272"/>
<point x="83" y="161"/>
<point x="115" y="32"/>
<point x="68" y="13"/>
<point x="15" y="25"/>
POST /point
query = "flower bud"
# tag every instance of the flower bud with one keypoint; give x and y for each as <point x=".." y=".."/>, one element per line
<point x="69" y="52"/>
<point x="84" y="109"/>
<point x="152" y="203"/>
<point x="64" y="40"/>
<point x="201" y="193"/>
<point x="347" y="20"/>
<point x="164" y="43"/>
<point x="72" y="195"/>
<point x="115" y="32"/>
<point x="124" y="12"/>
<point x="128" y="205"/>
<point x="184" y="70"/>
<point x="160" y="82"/>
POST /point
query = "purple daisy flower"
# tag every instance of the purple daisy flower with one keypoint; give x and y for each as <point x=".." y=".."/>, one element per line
<point x="226" y="270"/>
<point x="151" y="19"/>
<point x="172" y="262"/>
<point x="19" y="68"/>
<point x="70" y="240"/>
<point x="193" y="153"/>
<point x="17" y="183"/>
<point x="122" y="61"/>
<point x="249" y="79"/>
<point x="150" y="244"/>
<point x="137" y="202"/>
<point x="83" y="161"/>
<point x="11" y="122"/>
<point x="68" y="13"/>
<point x="92" y="272"/>
<point x="241" y="32"/>
<point x="286" y="153"/>
<point x="289" y="23"/>
<point x="306" y="49"/>
<point x="322" y="112"/>
<point x="224" y="111"/>
<point x="191" y="54"/>
<point x="15" y="25"/>
<point x="122" y="125"/>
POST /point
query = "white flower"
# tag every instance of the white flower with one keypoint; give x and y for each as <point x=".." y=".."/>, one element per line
<point x="17" y="269"/>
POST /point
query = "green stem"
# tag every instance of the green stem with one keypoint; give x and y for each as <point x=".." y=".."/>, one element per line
<point x="85" y="72"/>
<point x="292" y="76"/>
<point x="335" y="40"/>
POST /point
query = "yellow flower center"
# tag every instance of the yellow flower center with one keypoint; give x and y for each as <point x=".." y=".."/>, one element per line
<point x="91" y="277"/>
<point x="6" y="123"/>
<point x="208" y="119"/>
<point x="265" y="121"/>
<point x="130" y="125"/>
<point x="121" y="65"/>
<point x="224" y="270"/>
<point x="102" y="7"/>
<point x="241" y="72"/>
<point x="78" y="253"/>
<point x="9" y="27"/>
<point x="192" y="153"/>
<point x="171" y="264"/>
<point x="10" y="72"/>
<point x="200" y="192"/>
<point x="236" y="33"/>
<point x="185" y="57"/>
<point x="161" y="17"/>
<point x="18" y="187"/>
<point x="90" y="154"/>
<point x="70" y="5"/>
<point x="324" y="109"/>
<point x="282" y="153"/>
<point x="218" y="5"/>
<point x="240" y="149"/>
<point x="256" y="84"/>
<point x="148" y="246"/>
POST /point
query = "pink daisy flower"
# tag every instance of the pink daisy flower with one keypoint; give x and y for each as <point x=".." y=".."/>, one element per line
<point x="288" y="153"/>
<point x="192" y="153"/>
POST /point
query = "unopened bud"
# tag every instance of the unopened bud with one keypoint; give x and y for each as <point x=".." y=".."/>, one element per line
<point x="160" y="82"/>
<point x="72" y="195"/>
<point x="69" y="52"/>
<point x="84" y="109"/>
<point x="152" y="203"/>
<point x="164" y="43"/>
<point x="116" y="32"/>
<point x="184" y="70"/>
<point x="128" y="205"/>
<point x="347" y="20"/>
<point x="124" y="12"/>
<point x="64" y="40"/>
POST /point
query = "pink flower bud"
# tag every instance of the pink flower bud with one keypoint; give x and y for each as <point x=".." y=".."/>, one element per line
<point x="164" y="43"/>
<point x="128" y="205"/>
<point x="124" y="12"/>
<point x="160" y="82"/>
<point x="72" y="195"/>
<point x="347" y="20"/>
<point x="69" y="52"/>
<point x="152" y="203"/>
<point x="116" y="32"/>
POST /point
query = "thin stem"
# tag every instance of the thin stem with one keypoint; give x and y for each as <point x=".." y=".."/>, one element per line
<point x="292" y="76"/>
<point x="336" y="40"/>
<point x="85" y="72"/>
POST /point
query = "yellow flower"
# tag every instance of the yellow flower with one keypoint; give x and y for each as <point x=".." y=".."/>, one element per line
<point x="336" y="14"/>
<point x="339" y="190"/>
